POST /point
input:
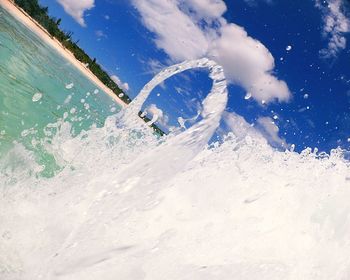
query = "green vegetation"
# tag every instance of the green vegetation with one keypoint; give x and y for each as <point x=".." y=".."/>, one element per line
<point x="52" y="25"/>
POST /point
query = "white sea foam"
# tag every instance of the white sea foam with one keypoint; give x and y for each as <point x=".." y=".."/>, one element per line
<point x="129" y="206"/>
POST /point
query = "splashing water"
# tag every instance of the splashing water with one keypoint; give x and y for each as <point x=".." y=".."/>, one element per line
<point x="127" y="206"/>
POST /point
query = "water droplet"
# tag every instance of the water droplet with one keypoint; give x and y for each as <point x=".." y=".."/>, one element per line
<point x="36" y="97"/>
<point x="69" y="86"/>
<point x="248" y="96"/>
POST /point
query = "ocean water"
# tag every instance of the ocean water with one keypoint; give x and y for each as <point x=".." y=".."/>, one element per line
<point x="38" y="87"/>
<point x="123" y="204"/>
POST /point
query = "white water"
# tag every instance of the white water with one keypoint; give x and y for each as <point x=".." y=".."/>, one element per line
<point x="131" y="207"/>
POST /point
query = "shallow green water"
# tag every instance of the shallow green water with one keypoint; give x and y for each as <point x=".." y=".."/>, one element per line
<point x="38" y="88"/>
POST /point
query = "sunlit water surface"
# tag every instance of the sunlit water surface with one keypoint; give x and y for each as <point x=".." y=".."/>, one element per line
<point x="96" y="198"/>
<point x="39" y="90"/>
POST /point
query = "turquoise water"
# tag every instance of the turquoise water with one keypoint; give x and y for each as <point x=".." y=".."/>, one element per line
<point x="39" y="91"/>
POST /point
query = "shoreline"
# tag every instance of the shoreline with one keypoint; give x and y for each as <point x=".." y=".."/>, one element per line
<point x="35" y="27"/>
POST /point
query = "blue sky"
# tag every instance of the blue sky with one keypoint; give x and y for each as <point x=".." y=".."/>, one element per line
<point x="287" y="61"/>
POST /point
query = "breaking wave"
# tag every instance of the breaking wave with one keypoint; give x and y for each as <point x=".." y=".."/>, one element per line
<point x="127" y="205"/>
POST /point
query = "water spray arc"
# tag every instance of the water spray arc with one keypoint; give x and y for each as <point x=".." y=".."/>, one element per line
<point x="136" y="186"/>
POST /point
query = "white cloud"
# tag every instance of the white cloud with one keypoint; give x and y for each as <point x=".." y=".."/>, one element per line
<point x="154" y="66"/>
<point x="270" y="130"/>
<point x="336" y="25"/>
<point x="254" y="3"/>
<point x="123" y="86"/>
<point x="238" y="126"/>
<point x="77" y="8"/>
<point x="180" y="32"/>
<point x="176" y="33"/>
<point x="265" y="128"/>
<point x="157" y="115"/>
<point x="207" y="9"/>
<point x="249" y="63"/>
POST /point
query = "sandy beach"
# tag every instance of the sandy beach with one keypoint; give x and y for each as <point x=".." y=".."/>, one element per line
<point x="24" y="18"/>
